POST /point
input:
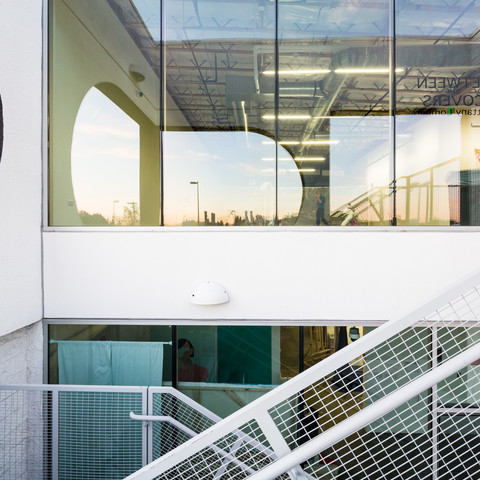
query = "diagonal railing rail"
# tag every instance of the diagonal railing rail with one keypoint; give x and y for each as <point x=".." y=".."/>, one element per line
<point x="423" y="197"/>
<point x="343" y="387"/>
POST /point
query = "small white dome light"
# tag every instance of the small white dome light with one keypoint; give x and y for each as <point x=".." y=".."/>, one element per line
<point x="210" y="293"/>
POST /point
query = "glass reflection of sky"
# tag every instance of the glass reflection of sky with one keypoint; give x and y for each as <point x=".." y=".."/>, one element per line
<point x="105" y="157"/>
<point x="361" y="161"/>
<point x="204" y="19"/>
<point x="149" y="10"/>
<point x="245" y="20"/>
<point x="431" y="18"/>
<point x="235" y="171"/>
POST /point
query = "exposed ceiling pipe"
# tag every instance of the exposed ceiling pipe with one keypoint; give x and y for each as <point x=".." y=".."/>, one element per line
<point x="331" y="86"/>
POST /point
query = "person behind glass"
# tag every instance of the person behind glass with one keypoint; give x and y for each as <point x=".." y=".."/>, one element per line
<point x="320" y="217"/>
<point x="187" y="370"/>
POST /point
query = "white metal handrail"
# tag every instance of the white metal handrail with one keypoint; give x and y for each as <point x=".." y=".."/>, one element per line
<point x="190" y="432"/>
<point x="258" y="412"/>
<point x="368" y="415"/>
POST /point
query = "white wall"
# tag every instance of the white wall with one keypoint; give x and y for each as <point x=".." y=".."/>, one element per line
<point x="20" y="167"/>
<point x="270" y="274"/>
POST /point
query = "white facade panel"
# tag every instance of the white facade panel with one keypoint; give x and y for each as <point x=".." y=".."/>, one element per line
<point x="21" y="164"/>
<point x="304" y="274"/>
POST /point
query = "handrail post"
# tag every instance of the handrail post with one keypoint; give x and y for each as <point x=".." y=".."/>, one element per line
<point x="55" y="435"/>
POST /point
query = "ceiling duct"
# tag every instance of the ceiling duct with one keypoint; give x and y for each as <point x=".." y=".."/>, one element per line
<point x="408" y="56"/>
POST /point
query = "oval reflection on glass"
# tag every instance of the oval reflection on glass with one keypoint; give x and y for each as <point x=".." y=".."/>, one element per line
<point x="225" y="178"/>
<point x="105" y="163"/>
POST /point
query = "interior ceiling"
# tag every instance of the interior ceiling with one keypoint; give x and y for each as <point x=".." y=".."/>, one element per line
<point x="218" y="54"/>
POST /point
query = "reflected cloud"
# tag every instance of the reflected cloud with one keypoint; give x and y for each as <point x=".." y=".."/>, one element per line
<point x="96" y="129"/>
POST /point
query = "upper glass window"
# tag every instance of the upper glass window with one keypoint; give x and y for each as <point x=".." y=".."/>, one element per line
<point x="254" y="112"/>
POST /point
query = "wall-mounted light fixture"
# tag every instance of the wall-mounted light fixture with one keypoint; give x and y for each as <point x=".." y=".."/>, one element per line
<point x="210" y="293"/>
<point x="136" y="73"/>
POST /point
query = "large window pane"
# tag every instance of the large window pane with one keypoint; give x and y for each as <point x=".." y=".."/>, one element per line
<point x="211" y="84"/>
<point x="104" y="111"/>
<point x="437" y="102"/>
<point x="334" y="110"/>
<point x="263" y="113"/>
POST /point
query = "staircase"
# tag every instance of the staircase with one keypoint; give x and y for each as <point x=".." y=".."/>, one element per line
<point x="385" y="407"/>
<point x="422" y="198"/>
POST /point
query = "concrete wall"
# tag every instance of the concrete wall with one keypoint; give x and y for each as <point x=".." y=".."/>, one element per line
<point x="21" y="164"/>
<point x="21" y="354"/>
<point x="311" y="273"/>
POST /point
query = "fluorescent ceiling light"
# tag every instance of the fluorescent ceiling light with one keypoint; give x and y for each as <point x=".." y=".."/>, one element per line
<point x="297" y="88"/>
<point x="320" y="142"/>
<point x="309" y="159"/>
<point x="245" y="120"/>
<point x="301" y="117"/>
<point x="313" y="71"/>
<point x="367" y="70"/>
<point x="287" y="117"/>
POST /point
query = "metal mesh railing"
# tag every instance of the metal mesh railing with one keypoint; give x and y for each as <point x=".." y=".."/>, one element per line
<point x="25" y="446"/>
<point x="335" y="392"/>
<point x="72" y="432"/>
<point x="171" y="403"/>
<point x="96" y="438"/>
<point x="421" y="440"/>
<point x="379" y="372"/>
<point x="233" y="456"/>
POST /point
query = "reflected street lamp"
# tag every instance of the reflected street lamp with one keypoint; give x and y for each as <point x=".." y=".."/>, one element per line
<point x="198" y="201"/>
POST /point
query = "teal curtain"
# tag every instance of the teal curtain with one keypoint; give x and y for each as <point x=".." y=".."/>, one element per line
<point x="110" y="363"/>
<point x="137" y="363"/>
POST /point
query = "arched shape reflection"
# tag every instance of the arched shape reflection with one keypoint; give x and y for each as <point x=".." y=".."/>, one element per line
<point x="105" y="163"/>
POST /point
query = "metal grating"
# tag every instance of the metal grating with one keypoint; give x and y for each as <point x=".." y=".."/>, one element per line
<point x="234" y="456"/>
<point x="166" y="436"/>
<point x="85" y="432"/>
<point x="379" y="372"/>
<point x="97" y="439"/>
<point x="25" y="444"/>
<point x="421" y="440"/>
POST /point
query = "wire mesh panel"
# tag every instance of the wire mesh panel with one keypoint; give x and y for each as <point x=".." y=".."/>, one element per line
<point x="97" y="439"/>
<point x="459" y="445"/>
<point x="421" y="440"/>
<point x="165" y="436"/>
<point x="379" y="371"/>
<point x="233" y="457"/>
<point x="25" y="443"/>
